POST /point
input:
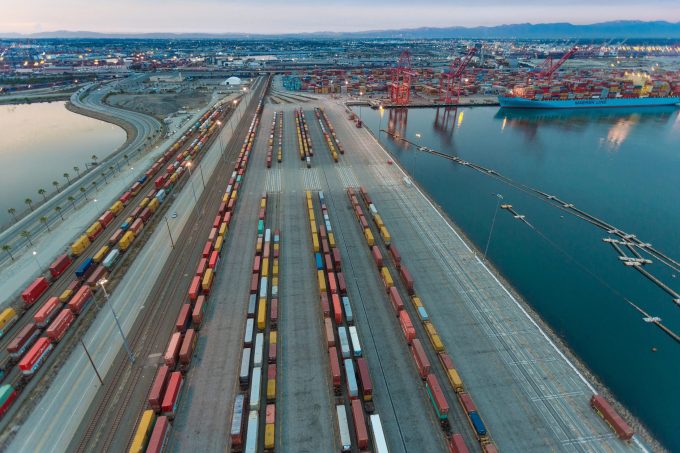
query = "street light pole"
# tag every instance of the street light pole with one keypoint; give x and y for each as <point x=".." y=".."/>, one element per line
<point x="201" y="170"/>
<point x="131" y="357"/>
<point x="172" y="243"/>
<point x="191" y="183"/>
<point x="89" y="357"/>
<point x="35" y="255"/>
<point x="493" y="221"/>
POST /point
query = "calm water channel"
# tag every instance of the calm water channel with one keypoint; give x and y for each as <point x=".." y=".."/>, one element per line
<point x="622" y="166"/>
<point x="41" y="142"/>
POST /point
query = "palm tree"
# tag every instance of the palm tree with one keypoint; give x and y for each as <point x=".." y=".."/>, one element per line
<point x="7" y="248"/>
<point x="13" y="213"/>
<point x="104" y="176"/>
<point x="71" y="200"/>
<point x="83" y="190"/>
<point x="127" y="159"/>
<point x="56" y="184"/>
<point x="94" y="183"/>
<point x="29" y="202"/>
<point x="58" y="209"/>
<point x="43" y="220"/>
<point x="66" y="175"/>
<point x="94" y="159"/>
<point x="26" y="234"/>
<point x="42" y="192"/>
<point x="77" y="170"/>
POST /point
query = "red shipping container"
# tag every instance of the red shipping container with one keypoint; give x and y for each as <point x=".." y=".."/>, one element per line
<point x="227" y="218"/>
<point x="137" y="226"/>
<point x="116" y="237"/>
<point x="272" y="352"/>
<point x="335" y="369"/>
<point x="186" y="352"/>
<point x="223" y="208"/>
<point x="207" y="248"/>
<point x="134" y="190"/>
<point x="602" y="406"/>
<point x="395" y="255"/>
<point x="214" y="259"/>
<point x="159" y="435"/>
<point x="337" y="308"/>
<point x="437" y="394"/>
<point x="332" y="283"/>
<point x="377" y="256"/>
<point x="217" y="221"/>
<point x="230" y="205"/>
<point x="363" y="222"/>
<point x="145" y="214"/>
<point x="256" y="264"/>
<point x="457" y="444"/>
<point x="30" y="362"/>
<point x="328" y="262"/>
<point x="125" y="197"/>
<point x="322" y="234"/>
<point x="106" y="218"/>
<point x="395" y="299"/>
<point x="274" y="313"/>
<point x="135" y="212"/>
<point x="212" y="235"/>
<point x="195" y="288"/>
<point x="159" y="181"/>
<point x="270" y="413"/>
<point x="422" y="362"/>
<point x="35" y="290"/>
<point x="336" y="259"/>
<point x="446" y="360"/>
<point x="202" y="266"/>
<point x="172" y="351"/>
<point x="172" y="394"/>
<point x="183" y="318"/>
<point x="365" y="379"/>
<point x="407" y="279"/>
<point x="466" y="401"/>
<point x="99" y="273"/>
<point x="60" y="325"/>
<point x="47" y="312"/>
<point x="60" y="265"/>
<point x="406" y="326"/>
<point x="325" y="308"/>
<point x="197" y="315"/>
<point x="80" y="300"/>
<point x="342" y="286"/>
<point x="158" y="388"/>
<point x="330" y="335"/>
<point x="23" y="340"/>
<point x="360" y="424"/>
<point x="254" y="283"/>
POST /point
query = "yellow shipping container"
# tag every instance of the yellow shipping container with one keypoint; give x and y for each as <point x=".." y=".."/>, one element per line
<point x="310" y="205"/>
<point x="387" y="277"/>
<point x="378" y="221"/>
<point x="315" y="243"/>
<point x="416" y="301"/>
<point x="263" y="202"/>
<point x="312" y="227"/>
<point x="143" y="431"/>
<point x="126" y="240"/>
<point x="116" y="207"/>
<point x="269" y="431"/>
<point x="234" y="195"/>
<point x="331" y="240"/>
<point x="265" y="267"/>
<point x="94" y="229"/>
<point x="218" y="243"/>
<point x="385" y="235"/>
<point x="65" y="296"/>
<point x="153" y="204"/>
<point x="275" y="268"/>
<point x="258" y="246"/>
<point x="223" y="229"/>
<point x="434" y="337"/>
<point x="101" y="254"/>
<point x="261" y="313"/>
<point x="272" y="337"/>
<point x="455" y="380"/>
<point x="225" y="197"/>
<point x="207" y="279"/>
<point x="369" y="237"/>
<point x="144" y="202"/>
<point x="173" y="178"/>
<point x="321" y="277"/>
<point x="275" y="281"/>
<point x="271" y="390"/>
<point x="311" y="215"/>
<point x="308" y="194"/>
<point x="7" y="318"/>
<point x="78" y="247"/>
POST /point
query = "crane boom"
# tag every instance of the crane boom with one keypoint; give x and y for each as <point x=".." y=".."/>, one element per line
<point x="551" y="68"/>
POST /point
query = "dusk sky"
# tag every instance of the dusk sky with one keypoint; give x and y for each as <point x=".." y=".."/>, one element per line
<point x="272" y="16"/>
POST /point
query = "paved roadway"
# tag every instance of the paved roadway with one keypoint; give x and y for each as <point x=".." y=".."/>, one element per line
<point x="58" y="414"/>
<point x="145" y="127"/>
<point x="530" y="396"/>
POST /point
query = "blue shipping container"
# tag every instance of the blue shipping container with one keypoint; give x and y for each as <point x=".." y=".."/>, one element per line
<point x="348" y="309"/>
<point x="82" y="269"/>
<point x="477" y="423"/>
<point x="319" y="261"/>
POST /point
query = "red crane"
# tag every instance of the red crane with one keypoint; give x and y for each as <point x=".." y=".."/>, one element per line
<point x="548" y="68"/>
<point x="451" y="81"/>
<point x="400" y="86"/>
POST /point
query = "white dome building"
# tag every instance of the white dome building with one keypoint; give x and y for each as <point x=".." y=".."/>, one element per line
<point x="232" y="81"/>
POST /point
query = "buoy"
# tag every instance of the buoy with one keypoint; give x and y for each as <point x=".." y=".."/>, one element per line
<point x="654" y="349"/>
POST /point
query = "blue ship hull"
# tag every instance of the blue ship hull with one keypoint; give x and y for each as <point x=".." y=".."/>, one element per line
<point x="522" y="103"/>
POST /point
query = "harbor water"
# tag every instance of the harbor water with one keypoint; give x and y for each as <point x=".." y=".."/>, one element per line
<point x="39" y="143"/>
<point x="620" y="165"/>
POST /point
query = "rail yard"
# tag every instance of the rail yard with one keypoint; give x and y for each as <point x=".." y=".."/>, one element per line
<point x="302" y="294"/>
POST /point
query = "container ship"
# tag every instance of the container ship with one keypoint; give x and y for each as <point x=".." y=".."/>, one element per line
<point x="595" y="102"/>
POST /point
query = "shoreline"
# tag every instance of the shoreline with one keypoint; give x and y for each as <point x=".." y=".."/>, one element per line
<point x="641" y="430"/>
<point x="130" y="131"/>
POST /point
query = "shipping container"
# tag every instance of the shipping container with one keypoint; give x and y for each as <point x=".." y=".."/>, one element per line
<point x="360" y="430"/>
<point x="101" y="254"/>
<point x="79" y="246"/>
<point x="126" y="241"/>
<point x="57" y="329"/>
<point x="186" y="352"/>
<point x="422" y="362"/>
<point x="60" y="265"/>
<point x="252" y="305"/>
<point x="116" y="237"/>
<point x="343" y="428"/>
<point x="335" y="369"/>
<point x="238" y="422"/>
<point x="195" y="288"/>
<point x="35" y="356"/>
<point x="607" y="412"/>
<point x="160" y="381"/>
<point x="344" y="342"/>
<point x="351" y="378"/>
<point x="379" y="442"/>
<point x="395" y="255"/>
<point x="35" y="290"/>
<point x="407" y="279"/>
<point x="172" y="351"/>
<point x="23" y="340"/>
<point x="197" y="314"/>
<point x="248" y="334"/>
<point x="342" y="286"/>
<point x="255" y="389"/>
<point x="258" y="350"/>
<point x="274" y="313"/>
<point x="330" y="336"/>
<point x="356" y="345"/>
<point x="81" y="300"/>
<point x="244" y="373"/>
<point x="106" y="218"/>
<point x="111" y="259"/>
<point x="183" y="318"/>
<point x="159" y="436"/>
<point x="271" y="384"/>
<point x="377" y="256"/>
<point x="365" y="382"/>
<point x="406" y="326"/>
<point x="434" y="337"/>
<point x="207" y="280"/>
<point x="252" y="433"/>
<point x="386" y="278"/>
<point x="7" y="396"/>
<point x="395" y="300"/>
<point x="173" y="394"/>
<point x="478" y="425"/>
<point x="457" y="444"/>
<point x="437" y="398"/>
<point x="144" y="428"/>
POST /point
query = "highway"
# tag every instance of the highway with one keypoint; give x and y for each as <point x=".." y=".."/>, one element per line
<point x="90" y="97"/>
<point x="75" y="386"/>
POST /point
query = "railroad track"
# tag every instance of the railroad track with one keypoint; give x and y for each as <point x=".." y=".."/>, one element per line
<point x="148" y="336"/>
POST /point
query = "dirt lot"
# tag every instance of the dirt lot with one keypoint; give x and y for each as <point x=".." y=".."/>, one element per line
<point x="161" y="105"/>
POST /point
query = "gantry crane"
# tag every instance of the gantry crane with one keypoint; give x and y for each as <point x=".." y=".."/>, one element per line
<point x="452" y="80"/>
<point x="548" y="68"/>
<point x="400" y="86"/>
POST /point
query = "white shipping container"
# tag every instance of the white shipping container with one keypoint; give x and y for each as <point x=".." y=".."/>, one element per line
<point x="255" y="385"/>
<point x="378" y="435"/>
<point x="344" y="342"/>
<point x="251" y="433"/>
<point x="244" y="374"/>
<point x="111" y="258"/>
<point x="263" y="287"/>
<point x="345" y="440"/>
<point x="259" y="345"/>
<point x="248" y="336"/>
<point x="356" y="345"/>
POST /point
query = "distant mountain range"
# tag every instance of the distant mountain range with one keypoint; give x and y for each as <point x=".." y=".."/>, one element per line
<point x="615" y="29"/>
